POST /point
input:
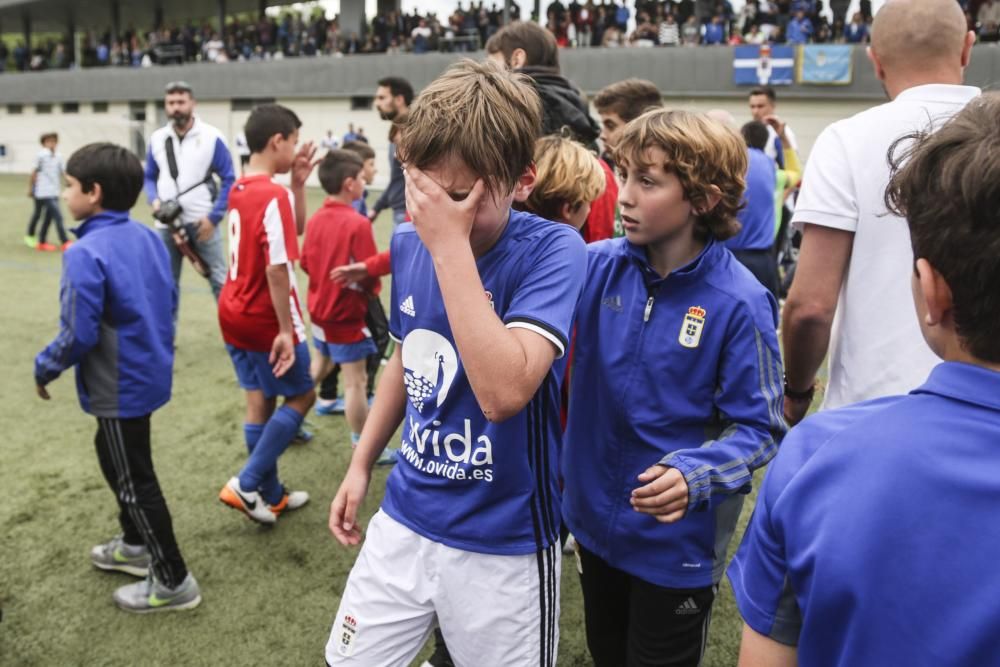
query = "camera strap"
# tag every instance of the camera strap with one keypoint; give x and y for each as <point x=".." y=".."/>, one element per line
<point x="174" y="173"/>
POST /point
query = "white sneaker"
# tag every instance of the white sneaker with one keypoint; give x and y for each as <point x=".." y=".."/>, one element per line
<point x="292" y="500"/>
<point x="248" y="502"/>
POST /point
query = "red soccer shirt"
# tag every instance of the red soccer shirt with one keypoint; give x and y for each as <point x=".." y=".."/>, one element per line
<point x="335" y="235"/>
<point x="601" y="221"/>
<point x="261" y="234"/>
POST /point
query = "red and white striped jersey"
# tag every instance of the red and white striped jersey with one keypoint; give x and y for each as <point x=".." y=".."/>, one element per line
<point x="261" y="233"/>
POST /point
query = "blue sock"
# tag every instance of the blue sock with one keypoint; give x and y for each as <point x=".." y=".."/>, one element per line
<point x="251" y="434"/>
<point x="262" y="465"/>
<point x="270" y="488"/>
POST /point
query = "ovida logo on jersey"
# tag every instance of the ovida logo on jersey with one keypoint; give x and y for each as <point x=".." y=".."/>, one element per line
<point x="430" y="364"/>
<point x="429" y="367"/>
<point x="457" y="448"/>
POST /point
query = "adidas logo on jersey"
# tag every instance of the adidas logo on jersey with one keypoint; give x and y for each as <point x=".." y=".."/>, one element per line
<point x="612" y="302"/>
<point x="407" y="306"/>
<point x="687" y="608"/>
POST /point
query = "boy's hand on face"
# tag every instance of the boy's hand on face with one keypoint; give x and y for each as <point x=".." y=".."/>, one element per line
<point x="42" y="392"/>
<point x="664" y="496"/>
<point x="440" y="221"/>
<point x="282" y="354"/>
<point x="344" y="508"/>
<point x="305" y="161"/>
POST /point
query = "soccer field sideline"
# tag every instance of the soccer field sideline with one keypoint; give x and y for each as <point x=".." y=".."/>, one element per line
<point x="269" y="594"/>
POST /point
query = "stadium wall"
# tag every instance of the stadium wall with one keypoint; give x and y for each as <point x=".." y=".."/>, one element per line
<point x="123" y="105"/>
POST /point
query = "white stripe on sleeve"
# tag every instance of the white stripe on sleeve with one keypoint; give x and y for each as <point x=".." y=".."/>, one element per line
<point x="275" y="230"/>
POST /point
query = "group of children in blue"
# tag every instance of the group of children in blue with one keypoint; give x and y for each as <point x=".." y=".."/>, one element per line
<point x="675" y="394"/>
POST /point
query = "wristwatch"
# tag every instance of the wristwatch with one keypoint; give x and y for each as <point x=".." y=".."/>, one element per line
<point x="806" y="395"/>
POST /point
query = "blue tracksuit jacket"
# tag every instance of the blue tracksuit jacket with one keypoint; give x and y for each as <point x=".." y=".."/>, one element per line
<point x="117" y="299"/>
<point x="684" y="371"/>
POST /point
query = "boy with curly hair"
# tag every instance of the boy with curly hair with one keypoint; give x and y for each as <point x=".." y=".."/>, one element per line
<point x="655" y="477"/>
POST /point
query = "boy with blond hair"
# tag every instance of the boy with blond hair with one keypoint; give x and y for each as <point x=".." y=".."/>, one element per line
<point x="568" y="178"/>
<point x="654" y="480"/>
<point x="482" y="303"/>
<point x="910" y="481"/>
<point x="337" y="234"/>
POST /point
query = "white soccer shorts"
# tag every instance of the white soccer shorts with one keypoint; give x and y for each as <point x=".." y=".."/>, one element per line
<point x="500" y="611"/>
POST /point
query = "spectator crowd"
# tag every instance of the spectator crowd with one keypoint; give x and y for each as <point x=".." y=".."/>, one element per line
<point x="601" y="23"/>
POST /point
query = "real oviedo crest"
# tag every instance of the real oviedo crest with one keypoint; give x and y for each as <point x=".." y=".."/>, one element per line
<point x="694" y="322"/>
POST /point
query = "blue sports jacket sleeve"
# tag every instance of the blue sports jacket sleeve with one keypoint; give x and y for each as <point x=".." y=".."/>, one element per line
<point x="81" y="300"/>
<point x="152" y="174"/>
<point x="749" y="403"/>
<point x="222" y="164"/>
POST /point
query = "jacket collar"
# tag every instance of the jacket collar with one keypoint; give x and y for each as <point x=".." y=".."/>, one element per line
<point x="99" y="221"/>
<point x="964" y="382"/>
<point x="693" y="271"/>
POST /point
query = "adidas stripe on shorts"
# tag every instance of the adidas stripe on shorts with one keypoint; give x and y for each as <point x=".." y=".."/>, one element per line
<point x="492" y="610"/>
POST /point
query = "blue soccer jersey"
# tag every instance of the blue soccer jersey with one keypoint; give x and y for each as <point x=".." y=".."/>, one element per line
<point x="874" y="540"/>
<point x="462" y="480"/>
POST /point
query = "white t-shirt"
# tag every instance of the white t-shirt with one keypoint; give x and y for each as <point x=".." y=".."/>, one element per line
<point x="771" y="149"/>
<point x="48" y="180"/>
<point x="876" y="348"/>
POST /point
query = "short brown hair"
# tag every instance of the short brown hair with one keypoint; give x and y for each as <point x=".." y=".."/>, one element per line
<point x="567" y="173"/>
<point x="947" y="186"/>
<point x="48" y="135"/>
<point x="337" y="166"/>
<point x="766" y="91"/>
<point x="539" y="45"/>
<point x="480" y="114"/>
<point x="364" y="151"/>
<point x="702" y="153"/>
<point x="629" y="98"/>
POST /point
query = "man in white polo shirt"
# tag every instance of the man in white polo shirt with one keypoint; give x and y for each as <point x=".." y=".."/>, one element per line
<point x="852" y="286"/>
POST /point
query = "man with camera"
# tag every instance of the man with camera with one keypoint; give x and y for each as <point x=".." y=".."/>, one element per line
<point x="184" y="159"/>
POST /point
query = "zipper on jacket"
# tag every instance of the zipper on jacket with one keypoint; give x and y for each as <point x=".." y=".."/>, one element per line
<point x="649" y="307"/>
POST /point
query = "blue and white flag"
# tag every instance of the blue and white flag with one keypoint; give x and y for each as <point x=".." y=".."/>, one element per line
<point x="826" y="64"/>
<point x="763" y="65"/>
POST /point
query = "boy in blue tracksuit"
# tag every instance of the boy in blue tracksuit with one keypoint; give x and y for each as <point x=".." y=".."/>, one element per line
<point x="117" y="299"/>
<point x="680" y="338"/>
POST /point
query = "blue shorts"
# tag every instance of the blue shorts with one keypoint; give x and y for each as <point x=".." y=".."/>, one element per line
<point x="253" y="372"/>
<point x="345" y="354"/>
